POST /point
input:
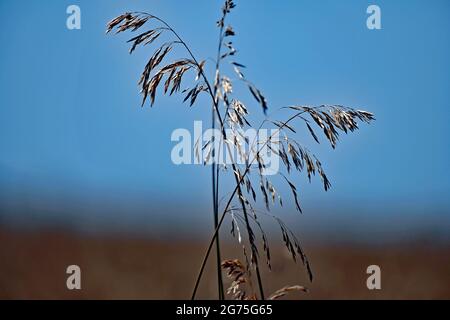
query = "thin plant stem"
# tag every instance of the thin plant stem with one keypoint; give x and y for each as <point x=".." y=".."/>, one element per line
<point x="216" y="174"/>
<point x="244" y="209"/>
<point x="230" y="199"/>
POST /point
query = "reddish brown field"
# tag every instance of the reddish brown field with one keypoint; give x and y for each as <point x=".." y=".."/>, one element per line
<point x="32" y="266"/>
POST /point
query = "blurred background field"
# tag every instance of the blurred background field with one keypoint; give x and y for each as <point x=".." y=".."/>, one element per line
<point x="116" y="267"/>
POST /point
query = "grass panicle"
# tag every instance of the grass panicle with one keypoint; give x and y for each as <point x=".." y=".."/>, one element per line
<point x="231" y="115"/>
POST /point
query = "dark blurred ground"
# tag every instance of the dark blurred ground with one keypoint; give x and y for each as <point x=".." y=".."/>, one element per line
<point x="33" y="265"/>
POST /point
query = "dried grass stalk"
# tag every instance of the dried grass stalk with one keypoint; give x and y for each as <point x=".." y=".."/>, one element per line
<point x="232" y="113"/>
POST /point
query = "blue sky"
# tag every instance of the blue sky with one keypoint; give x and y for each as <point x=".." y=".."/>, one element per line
<point x="71" y="126"/>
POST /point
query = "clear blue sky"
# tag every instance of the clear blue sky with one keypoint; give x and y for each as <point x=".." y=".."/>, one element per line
<point x="71" y="125"/>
